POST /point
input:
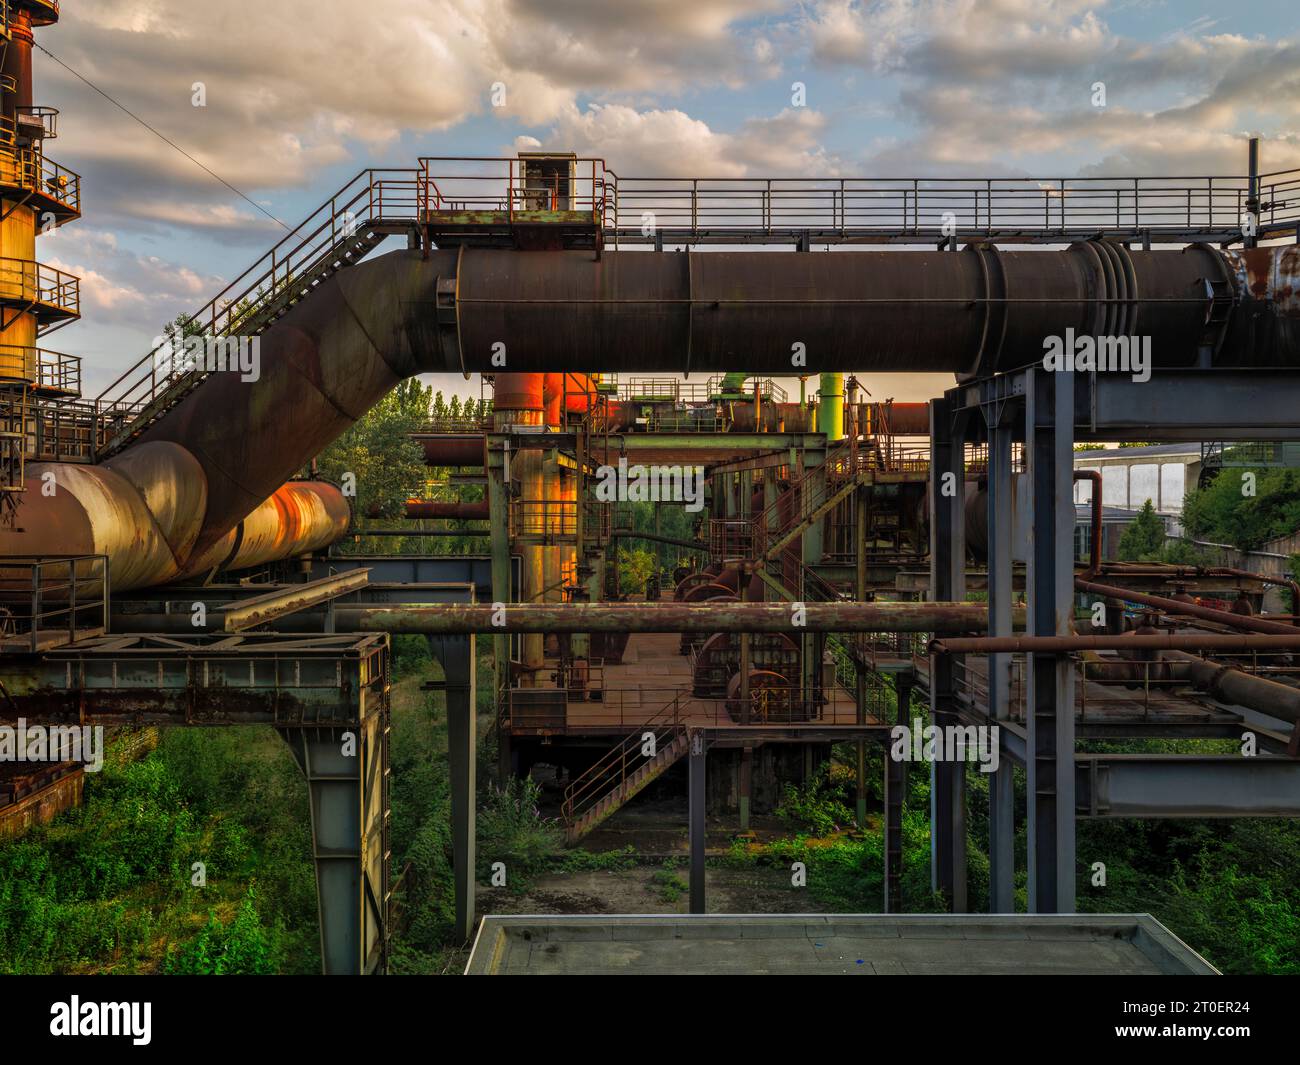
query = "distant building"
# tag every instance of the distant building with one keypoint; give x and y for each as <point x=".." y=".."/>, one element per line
<point x="1162" y="473"/>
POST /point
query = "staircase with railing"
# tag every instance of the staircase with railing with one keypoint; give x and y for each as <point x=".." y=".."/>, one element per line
<point x="342" y="231"/>
<point x="624" y="770"/>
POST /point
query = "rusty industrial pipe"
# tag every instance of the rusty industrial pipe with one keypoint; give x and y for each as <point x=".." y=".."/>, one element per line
<point x="667" y="617"/>
<point x="1175" y="606"/>
<point x="1176" y="572"/>
<point x="432" y="509"/>
<point x="356" y="334"/>
<point x="1242" y="689"/>
<point x="974" y="312"/>
<point x="440" y="449"/>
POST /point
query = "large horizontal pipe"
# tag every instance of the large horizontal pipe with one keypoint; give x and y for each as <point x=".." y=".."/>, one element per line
<point x="666" y="617"/>
<point x="349" y="339"/>
<point x="975" y="311"/>
<point x="144" y="509"/>
<point x="1191" y="610"/>
<point x="472" y="531"/>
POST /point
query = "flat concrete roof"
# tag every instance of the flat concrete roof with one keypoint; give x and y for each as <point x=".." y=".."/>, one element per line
<point x="832" y="944"/>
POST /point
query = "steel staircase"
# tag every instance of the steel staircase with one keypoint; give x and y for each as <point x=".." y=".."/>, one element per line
<point x="624" y="771"/>
<point x="338" y="234"/>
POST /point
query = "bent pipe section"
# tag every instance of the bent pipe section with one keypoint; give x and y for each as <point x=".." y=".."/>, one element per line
<point x="144" y="510"/>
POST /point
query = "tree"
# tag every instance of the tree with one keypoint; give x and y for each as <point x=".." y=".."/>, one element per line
<point x="635" y="567"/>
<point x="1144" y="538"/>
<point x="1245" y="507"/>
<point x="386" y="465"/>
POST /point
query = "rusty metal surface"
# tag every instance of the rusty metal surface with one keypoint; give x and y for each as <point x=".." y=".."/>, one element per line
<point x="1188" y="609"/>
<point x="448" y="450"/>
<point x="263" y="609"/>
<point x="322" y="366"/>
<point x="423" y="508"/>
<point x="908" y="310"/>
<point x="669" y="617"/>
<point x="1242" y="689"/>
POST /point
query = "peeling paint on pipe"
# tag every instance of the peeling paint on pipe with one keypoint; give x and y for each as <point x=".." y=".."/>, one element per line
<point x="667" y="617"/>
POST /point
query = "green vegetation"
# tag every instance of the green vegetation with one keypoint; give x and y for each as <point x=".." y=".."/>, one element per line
<point x="109" y="886"/>
<point x="820" y="804"/>
<point x="1224" y="511"/>
<point x="669" y="883"/>
<point x="1144" y="539"/>
<point x="386" y="468"/>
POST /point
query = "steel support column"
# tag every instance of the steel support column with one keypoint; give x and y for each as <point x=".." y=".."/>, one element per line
<point x="1049" y="449"/>
<point x="895" y="796"/>
<point x="947" y="582"/>
<point x="1002" y="833"/>
<point x="813" y="488"/>
<point x="746" y="783"/>
<point x="457" y="653"/>
<point x="498" y="475"/>
<point x="696" y="791"/>
<point x="347" y="784"/>
<point x="860" y="675"/>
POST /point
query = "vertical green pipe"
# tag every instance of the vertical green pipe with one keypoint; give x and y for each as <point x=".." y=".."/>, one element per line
<point x="830" y="411"/>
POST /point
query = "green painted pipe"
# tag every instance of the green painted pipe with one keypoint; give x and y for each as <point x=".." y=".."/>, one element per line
<point x="830" y="412"/>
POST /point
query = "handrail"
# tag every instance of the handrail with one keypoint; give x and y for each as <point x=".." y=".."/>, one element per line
<point x="804" y="505"/>
<point x="38" y="283"/>
<point x="256" y="293"/>
<point x="612" y="770"/>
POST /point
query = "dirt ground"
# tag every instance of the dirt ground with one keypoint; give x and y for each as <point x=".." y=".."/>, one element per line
<point x="650" y="889"/>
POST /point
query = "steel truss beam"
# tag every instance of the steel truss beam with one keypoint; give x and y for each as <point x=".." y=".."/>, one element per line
<point x="327" y="696"/>
<point x="1136" y="785"/>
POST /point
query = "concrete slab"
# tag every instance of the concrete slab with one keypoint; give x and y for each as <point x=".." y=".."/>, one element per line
<point x="832" y="944"/>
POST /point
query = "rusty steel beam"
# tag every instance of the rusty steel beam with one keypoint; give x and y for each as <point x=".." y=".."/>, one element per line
<point x="667" y="617"/>
<point x="1191" y="610"/>
<point x="290" y="599"/>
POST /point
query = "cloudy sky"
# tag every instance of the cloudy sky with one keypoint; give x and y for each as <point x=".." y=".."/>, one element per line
<point x="301" y="94"/>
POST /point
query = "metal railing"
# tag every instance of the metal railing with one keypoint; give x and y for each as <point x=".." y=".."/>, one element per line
<point x="1230" y="455"/>
<point x="48" y="117"/>
<point x="35" y="284"/>
<point x="385" y="199"/>
<point x="696" y="207"/>
<point x="66" y="430"/>
<point x="460" y="186"/>
<point x="48" y="178"/>
<point x="43" y="368"/>
<point x="613" y="769"/>
<point x="46" y="601"/>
